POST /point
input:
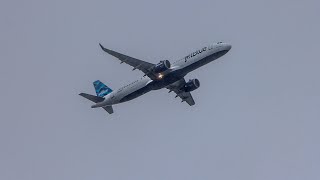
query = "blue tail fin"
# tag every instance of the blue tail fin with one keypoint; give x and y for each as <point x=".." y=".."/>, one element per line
<point x="101" y="89"/>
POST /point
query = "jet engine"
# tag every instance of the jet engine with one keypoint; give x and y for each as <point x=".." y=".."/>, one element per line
<point x="192" y="85"/>
<point x="161" y="66"/>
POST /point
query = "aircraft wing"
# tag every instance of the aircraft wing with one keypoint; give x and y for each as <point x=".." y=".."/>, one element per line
<point x="143" y="66"/>
<point x="185" y="96"/>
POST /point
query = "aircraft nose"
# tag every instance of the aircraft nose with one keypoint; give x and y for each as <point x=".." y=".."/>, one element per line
<point x="228" y="47"/>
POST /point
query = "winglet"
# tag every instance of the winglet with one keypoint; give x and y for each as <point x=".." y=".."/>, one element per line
<point x="101" y="45"/>
<point x="113" y="53"/>
<point x="103" y="48"/>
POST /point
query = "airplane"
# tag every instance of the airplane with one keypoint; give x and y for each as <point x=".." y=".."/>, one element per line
<point x="156" y="76"/>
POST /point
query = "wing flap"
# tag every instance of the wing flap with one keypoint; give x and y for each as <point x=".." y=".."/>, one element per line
<point x="185" y="96"/>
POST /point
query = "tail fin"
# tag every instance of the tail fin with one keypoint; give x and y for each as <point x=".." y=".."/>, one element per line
<point x="101" y="89"/>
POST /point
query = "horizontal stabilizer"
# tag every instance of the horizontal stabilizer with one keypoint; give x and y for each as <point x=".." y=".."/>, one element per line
<point x="109" y="109"/>
<point x="92" y="98"/>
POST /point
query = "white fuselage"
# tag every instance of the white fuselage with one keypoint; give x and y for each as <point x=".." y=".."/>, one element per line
<point x="178" y="69"/>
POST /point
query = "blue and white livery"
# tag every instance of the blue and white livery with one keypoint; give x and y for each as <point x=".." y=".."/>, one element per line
<point x="157" y="76"/>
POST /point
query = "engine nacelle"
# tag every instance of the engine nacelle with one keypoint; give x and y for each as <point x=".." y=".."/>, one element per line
<point x="192" y="85"/>
<point x="161" y="66"/>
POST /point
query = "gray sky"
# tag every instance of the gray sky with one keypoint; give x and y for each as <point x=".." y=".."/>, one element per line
<point x="256" y="115"/>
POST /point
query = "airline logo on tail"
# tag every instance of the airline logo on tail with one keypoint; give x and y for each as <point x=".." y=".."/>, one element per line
<point x="101" y="89"/>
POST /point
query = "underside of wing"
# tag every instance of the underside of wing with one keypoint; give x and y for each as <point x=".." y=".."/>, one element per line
<point x="185" y="96"/>
<point x="143" y="66"/>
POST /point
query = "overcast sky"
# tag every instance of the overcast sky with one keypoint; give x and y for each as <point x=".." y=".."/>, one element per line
<point x="257" y="111"/>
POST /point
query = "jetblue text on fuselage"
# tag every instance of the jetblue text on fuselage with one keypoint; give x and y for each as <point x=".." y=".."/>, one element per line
<point x="195" y="53"/>
<point x="157" y="76"/>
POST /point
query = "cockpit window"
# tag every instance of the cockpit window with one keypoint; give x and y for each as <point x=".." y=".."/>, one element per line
<point x="219" y="42"/>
